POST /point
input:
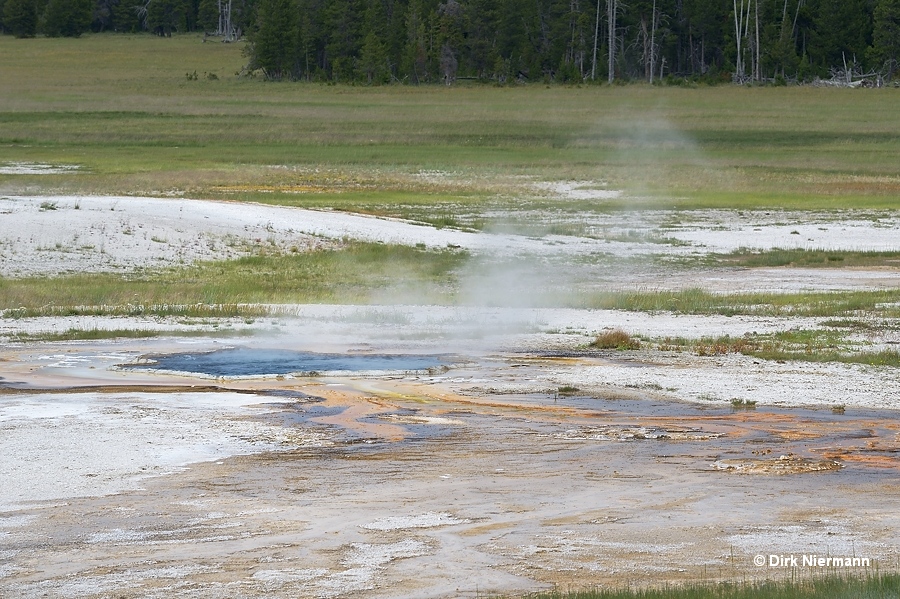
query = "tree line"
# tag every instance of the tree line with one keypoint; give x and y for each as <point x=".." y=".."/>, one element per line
<point x="423" y="41"/>
<point x="71" y="18"/>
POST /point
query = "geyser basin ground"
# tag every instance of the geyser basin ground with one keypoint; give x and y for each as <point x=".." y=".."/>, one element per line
<point x="489" y="477"/>
<point x="252" y="362"/>
<point x="358" y="493"/>
<point x="77" y="236"/>
<point x="484" y="476"/>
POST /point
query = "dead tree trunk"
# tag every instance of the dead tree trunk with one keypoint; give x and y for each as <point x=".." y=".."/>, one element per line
<point x="611" y="8"/>
<point x="652" y="40"/>
<point x="741" y="28"/>
<point x="645" y="43"/>
<point x="226" y="30"/>
<point x="596" y="35"/>
<point x="738" y="13"/>
<point x="756" y="70"/>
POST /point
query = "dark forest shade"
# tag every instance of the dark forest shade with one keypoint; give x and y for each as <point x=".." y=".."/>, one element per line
<point x="67" y="18"/>
<point x="439" y="41"/>
<point x="20" y="17"/>
<point x="416" y="41"/>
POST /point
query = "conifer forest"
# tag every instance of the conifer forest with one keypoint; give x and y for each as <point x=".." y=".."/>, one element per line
<point x="504" y="41"/>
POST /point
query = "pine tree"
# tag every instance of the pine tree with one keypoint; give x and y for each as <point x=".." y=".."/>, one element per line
<point x="782" y="52"/>
<point x="208" y="15"/>
<point x="165" y="16"/>
<point x="341" y="20"/>
<point x="841" y="33"/>
<point x="20" y="17"/>
<point x="274" y="42"/>
<point x="706" y="34"/>
<point x="373" y="61"/>
<point x="886" y="37"/>
<point x="415" y="53"/>
<point x="450" y="39"/>
<point x="67" y="18"/>
<point x="307" y="42"/>
<point x="373" y="65"/>
<point x="517" y="40"/>
<point x="471" y="31"/>
<point x="243" y="14"/>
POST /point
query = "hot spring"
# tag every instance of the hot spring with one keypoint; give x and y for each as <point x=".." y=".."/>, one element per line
<point x="268" y="362"/>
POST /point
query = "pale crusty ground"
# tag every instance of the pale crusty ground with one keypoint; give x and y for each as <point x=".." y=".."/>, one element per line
<point x="479" y="479"/>
<point x="499" y="485"/>
<point x="50" y="235"/>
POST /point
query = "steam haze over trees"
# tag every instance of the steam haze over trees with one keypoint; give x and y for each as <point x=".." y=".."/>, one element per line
<point x="440" y="41"/>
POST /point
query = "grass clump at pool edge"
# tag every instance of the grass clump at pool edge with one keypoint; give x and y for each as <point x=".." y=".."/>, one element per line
<point x="615" y="339"/>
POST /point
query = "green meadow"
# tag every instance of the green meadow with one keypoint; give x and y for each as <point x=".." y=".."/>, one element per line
<point x="130" y="112"/>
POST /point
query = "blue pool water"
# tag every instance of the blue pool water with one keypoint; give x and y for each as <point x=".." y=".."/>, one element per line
<point x="261" y="362"/>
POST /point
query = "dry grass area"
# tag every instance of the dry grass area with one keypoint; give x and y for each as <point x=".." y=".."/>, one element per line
<point x="615" y="339"/>
<point x="872" y="586"/>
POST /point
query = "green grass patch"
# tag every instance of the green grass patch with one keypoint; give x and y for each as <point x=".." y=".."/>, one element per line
<point x="86" y="335"/>
<point x="849" y="323"/>
<point x="806" y="258"/>
<point x="133" y="308"/>
<point x="872" y="586"/>
<point x="359" y="273"/>
<point x="807" y="345"/>
<point x="880" y="358"/>
<point x="375" y="273"/>
<point x="74" y="334"/>
<point x="738" y="403"/>
<point x="884" y="303"/>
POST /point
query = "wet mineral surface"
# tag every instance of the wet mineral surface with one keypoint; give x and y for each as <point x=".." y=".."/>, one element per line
<point x="419" y="485"/>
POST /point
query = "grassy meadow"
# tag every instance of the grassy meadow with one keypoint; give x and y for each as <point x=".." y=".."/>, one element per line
<point x="125" y="109"/>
